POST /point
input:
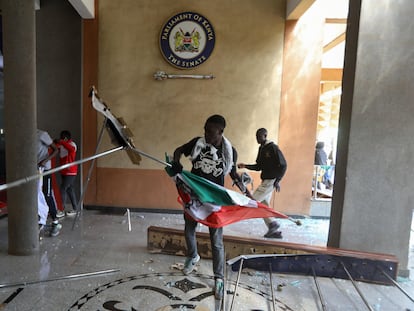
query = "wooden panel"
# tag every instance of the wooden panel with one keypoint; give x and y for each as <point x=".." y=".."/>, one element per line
<point x="327" y="261"/>
<point x="331" y="75"/>
<point x="172" y="241"/>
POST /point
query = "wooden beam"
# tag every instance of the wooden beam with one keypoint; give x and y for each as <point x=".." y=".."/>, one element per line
<point x="329" y="74"/>
<point x="336" y="21"/>
<point x="339" y="39"/>
<point x="296" y="8"/>
<point x="171" y="241"/>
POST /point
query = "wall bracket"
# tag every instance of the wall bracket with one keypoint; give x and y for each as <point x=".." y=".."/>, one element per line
<point x="162" y="75"/>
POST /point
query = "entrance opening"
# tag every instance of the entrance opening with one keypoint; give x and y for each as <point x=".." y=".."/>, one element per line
<point x="329" y="103"/>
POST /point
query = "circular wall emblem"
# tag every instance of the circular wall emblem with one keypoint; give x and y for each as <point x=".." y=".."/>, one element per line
<point x="187" y="40"/>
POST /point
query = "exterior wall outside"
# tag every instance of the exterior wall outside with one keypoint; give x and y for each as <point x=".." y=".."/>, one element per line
<point x="247" y="63"/>
<point x="58" y="58"/>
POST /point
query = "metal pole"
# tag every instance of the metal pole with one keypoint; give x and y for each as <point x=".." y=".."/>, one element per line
<point x="396" y="284"/>
<point x="72" y="276"/>
<point x="296" y="221"/>
<point x="57" y="169"/>
<point x="225" y="272"/>
<point x="227" y="280"/>
<point x="149" y="156"/>
<point x="356" y="287"/>
<point x="129" y="220"/>
<point x="10" y="298"/>
<point x="88" y="178"/>
<point x="271" y="287"/>
<point x="237" y="283"/>
<point x="319" y="290"/>
<point x="315" y="183"/>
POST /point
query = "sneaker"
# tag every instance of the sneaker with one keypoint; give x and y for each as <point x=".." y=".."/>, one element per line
<point x="41" y="231"/>
<point x="60" y="214"/>
<point x="190" y="264"/>
<point x="219" y="289"/>
<point x="55" y="229"/>
<point x="273" y="226"/>
<point x="71" y="213"/>
<point x="274" y="235"/>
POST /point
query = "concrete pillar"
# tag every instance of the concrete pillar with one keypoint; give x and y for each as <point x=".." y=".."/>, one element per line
<point x="299" y="108"/>
<point x="373" y="198"/>
<point x="20" y="123"/>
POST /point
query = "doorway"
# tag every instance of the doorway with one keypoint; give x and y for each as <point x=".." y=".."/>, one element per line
<point x="329" y="105"/>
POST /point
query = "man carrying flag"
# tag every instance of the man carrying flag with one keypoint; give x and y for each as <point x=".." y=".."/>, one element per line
<point x="212" y="157"/>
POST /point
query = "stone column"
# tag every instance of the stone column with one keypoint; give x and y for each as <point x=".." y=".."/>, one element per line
<point x="19" y="33"/>
<point x="373" y="197"/>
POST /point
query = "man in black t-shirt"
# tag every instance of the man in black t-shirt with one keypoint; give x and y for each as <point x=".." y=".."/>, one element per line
<point x="212" y="157"/>
<point x="272" y="164"/>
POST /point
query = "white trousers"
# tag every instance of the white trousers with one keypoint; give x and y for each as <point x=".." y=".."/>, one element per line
<point x="42" y="207"/>
<point x="263" y="194"/>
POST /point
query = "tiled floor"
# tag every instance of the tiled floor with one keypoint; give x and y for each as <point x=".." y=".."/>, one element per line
<point x="101" y="265"/>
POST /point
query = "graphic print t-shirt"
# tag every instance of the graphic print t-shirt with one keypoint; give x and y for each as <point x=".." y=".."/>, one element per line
<point x="204" y="165"/>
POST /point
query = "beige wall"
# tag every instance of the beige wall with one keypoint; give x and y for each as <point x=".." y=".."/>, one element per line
<point x="247" y="63"/>
<point x="251" y="51"/>
<point x="299" y="108"/>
